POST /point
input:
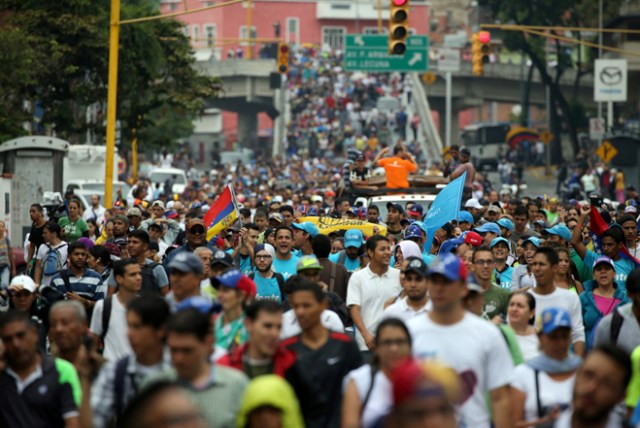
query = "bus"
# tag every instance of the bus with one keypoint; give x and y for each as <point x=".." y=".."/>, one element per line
<point x="487" y="143"/>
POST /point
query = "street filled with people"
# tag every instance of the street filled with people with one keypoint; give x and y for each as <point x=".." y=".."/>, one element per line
<point x="166" y="310"/>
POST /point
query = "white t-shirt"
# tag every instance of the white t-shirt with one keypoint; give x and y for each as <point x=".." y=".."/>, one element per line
<point x="476" y="350"/>
<point x="529" y="346"/>
<point x="380" y="399"/>
<point x="63" y="249"/>
<point x="370" y="292"/>
<point x="553" y="393"/>
<point x="564" y="420"/>
<point x="95" y="213"/>
<point x="290" y="326"/>
<point x="567" y="300"/>
<point x="401" y="310"/>
<point x="116" y="342"/>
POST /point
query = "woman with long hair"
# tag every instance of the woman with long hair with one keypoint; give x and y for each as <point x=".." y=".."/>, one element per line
<point x="367" y="390"/>
<point x="99" y="259"/>
<point x="564" y="274"/>
<point x="521" y="315"/>
<point x="73" y="225"/>
<point x="543" y="387"/>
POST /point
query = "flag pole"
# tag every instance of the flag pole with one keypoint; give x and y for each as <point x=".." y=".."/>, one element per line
<point x="235" y="203"/>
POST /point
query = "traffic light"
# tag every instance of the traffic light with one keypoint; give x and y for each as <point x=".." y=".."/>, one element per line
<point x="481" y="49"/>
<point x="398" y="27"/>
<point x="283" y="58"/>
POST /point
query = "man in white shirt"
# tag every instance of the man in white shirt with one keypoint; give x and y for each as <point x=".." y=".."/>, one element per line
<point x="415" y="302"/>
<point x="95" y="211"/>
<point x="475" y="348"/>
<point x="369" y="288"/>
<point x="113" y="332"/>
<point x="547" y="295"/>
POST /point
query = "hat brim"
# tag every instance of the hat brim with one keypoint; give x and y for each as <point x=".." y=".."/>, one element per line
<point x="182" y="267"/>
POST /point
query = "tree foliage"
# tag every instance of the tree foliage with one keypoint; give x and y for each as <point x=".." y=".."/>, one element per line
<point x="541" y="51"/>
<point x="68" y="43"/>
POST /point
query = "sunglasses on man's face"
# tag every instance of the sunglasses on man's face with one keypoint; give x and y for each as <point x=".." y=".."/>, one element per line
<point x="196" y="230"/>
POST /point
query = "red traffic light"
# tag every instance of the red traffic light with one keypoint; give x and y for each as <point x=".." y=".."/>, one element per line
<point x="484" y="37"/>
<point x="284" y="48"/>
<point x="400" y="2"/>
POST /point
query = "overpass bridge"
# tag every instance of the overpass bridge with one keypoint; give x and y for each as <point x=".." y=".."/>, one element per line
<point x="246" y="91"/>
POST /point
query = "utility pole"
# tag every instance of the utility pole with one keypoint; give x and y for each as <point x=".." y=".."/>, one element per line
<point x="112" y="98"/>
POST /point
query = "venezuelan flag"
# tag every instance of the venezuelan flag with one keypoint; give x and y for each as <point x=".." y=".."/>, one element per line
<point x="222" y="214"/>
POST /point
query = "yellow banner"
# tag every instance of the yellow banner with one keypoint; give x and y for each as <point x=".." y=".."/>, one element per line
<point x="326" y="225"/>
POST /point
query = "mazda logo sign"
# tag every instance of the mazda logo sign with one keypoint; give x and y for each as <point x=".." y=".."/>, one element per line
<point x="610" y="76"/>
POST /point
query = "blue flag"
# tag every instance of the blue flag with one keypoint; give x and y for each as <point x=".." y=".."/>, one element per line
<point x="444" y="208"/>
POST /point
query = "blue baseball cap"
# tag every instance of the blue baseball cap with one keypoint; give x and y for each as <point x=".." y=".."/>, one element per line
<point x="534" y="240"/>
<point x="551" y="319"/>
<point x="312" y="211"/>
<point x="560" y="230"/>
<point x="449" y="266"/>
<point x="498" y="240"/>
<point x="465" y="216"/>
<point x="353" y="238"/>
<point x="416" y="210"/>
<point x="407" y="221"/>
<point x="489" y="227"/>
<point x="203" y="305"/>
<point x="186" y="262"/>
<point x="450" y="245"/>
<point x="506" y="223"/>
<point x="308" y="227"/>
<point x="397" y="207"/>
<point x="413" y="231"/>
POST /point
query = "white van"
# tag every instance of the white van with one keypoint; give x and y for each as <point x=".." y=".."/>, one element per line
<point x="160" y="175"/>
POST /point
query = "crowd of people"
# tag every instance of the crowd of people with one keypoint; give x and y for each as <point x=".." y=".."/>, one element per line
<point x="515" y="315"/>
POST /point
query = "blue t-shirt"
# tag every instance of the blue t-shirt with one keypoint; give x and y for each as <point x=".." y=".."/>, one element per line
<point x="503" y="279"/>
<point x="286" y="268"/>
<point x="268" y="288"/>
<point x="351" y="265"/>
<point x="623" y="265"/>
<point x="245" y="265"/>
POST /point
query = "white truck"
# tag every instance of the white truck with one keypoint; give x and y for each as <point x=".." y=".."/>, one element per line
<point x="30" y="167"/>
<point x="87" y="163"/>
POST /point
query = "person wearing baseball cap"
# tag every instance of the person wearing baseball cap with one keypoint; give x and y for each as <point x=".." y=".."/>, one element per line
<point x="303" y="233"/>
<point x="416" y="211"/>
<point x="500" y="248"/>
<point x="415" y="301"/>
<point x="558" y="234"/>
<point x="235" y="292"/>
<point x="185" y="275"/>
<point x="506" y="227"/>
<point x="474" y="207"/>
<point x="488" y="231"/>
<point x="135" y="218"/>
<point x="221" y="261"/>
<point x="601" y="296"/>
<point x="465" y="221"/>
<point x="493" y="213"/>
<point x="196" y="236"/>
<point x="448" y="331"/>
<point x="22" y="293"/>
<point x="350" y="256"/>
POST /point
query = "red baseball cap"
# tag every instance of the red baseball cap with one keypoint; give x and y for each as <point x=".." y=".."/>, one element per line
<point x="473" y="238"/>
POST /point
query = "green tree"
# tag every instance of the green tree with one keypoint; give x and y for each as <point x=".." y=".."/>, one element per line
<point x="70" y="38"/>
<point x="541" y="51"/>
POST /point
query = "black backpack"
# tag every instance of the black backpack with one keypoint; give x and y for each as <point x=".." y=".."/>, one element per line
<point x="149" y="282"/>
<point x="616" y="326"/>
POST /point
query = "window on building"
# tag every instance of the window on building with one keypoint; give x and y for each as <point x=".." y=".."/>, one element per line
<point x="334" y="37"/>
<point x="293" y="31"/>
<point x="210" y="35"/>
<point x="245" y="35"/>
<point x="195" y="30"/>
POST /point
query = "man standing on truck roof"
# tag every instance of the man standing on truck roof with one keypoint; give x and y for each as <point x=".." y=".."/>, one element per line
<point x="465" y="166"/>
<point x="397" y="167"/>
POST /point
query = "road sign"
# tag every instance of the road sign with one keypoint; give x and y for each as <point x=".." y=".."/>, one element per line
<point x="449" y="60"/>
<point x="606" y="151"/>
<point x="610" y="80"/>
<point x="596" y="128"/>
<point x="546" y="137"/>
<point x="428" y="78"/>
<point x="370" y="52"/>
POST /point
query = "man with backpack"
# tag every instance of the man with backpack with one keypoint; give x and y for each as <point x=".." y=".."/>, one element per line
<point x="119" y="381"/>
<point x="78" y="282"/>
<point x="109" y="319"/>
<point x="350" y="256"/>
<point x="622" y="326"/>
<point x="269" y="284"/>
<point x="154" y="277"/>
<point x="52" y="256"/>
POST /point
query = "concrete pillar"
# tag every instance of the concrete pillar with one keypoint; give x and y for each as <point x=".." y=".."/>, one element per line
<point x="455" y="125"/>
<point x="248" y="129"/>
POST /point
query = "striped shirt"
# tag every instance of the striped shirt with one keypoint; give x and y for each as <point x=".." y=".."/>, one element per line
<point x="89" y="285"/>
